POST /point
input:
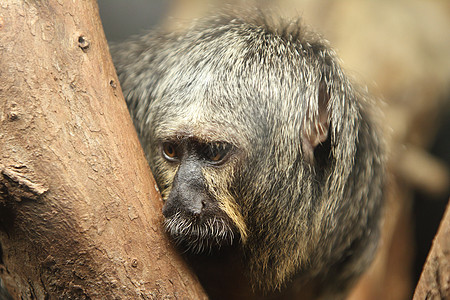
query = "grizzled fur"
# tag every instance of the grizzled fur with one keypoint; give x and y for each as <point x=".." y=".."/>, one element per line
<point x="303" y="190"/>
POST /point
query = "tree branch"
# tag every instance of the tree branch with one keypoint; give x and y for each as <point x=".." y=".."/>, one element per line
<point x="79" y="214"/>
<point x="434" y="283"/>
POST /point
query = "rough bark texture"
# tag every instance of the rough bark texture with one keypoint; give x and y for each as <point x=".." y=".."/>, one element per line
<point x="79" y="214"/>
<point x="434" y="283"/>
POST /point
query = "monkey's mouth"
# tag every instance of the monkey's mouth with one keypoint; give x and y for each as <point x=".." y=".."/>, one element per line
<point x="199" y="235"/>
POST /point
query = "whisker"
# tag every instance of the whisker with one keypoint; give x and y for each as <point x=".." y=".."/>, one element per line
<point x="198" y="237"/>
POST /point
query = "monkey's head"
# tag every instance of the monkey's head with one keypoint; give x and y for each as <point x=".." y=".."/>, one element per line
<point x="255" y="135"/>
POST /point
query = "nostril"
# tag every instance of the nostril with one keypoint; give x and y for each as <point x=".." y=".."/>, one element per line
<point x="196" y="209"/>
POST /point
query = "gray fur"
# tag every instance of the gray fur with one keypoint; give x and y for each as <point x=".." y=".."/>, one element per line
<point x="256" y="83"/>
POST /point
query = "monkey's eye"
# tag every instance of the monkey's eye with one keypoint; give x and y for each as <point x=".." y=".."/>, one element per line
<point x="215" y="152"/>
<point x="169" y="151"/>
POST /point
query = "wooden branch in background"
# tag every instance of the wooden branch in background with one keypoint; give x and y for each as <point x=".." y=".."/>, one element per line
<point x="434" y="283"/>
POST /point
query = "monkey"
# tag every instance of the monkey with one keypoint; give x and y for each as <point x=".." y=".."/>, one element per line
<point x="268" y="156"/>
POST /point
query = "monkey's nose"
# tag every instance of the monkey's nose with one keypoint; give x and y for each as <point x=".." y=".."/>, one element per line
<point x="191" y="206"/>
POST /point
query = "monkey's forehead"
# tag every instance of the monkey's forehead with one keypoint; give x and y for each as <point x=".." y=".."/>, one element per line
<point x="198" y="127"/>
<point x="208" y="107"/>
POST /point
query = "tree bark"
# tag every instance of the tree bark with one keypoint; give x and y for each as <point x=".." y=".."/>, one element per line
<point x="434" y="283"/>
<point x="79" y="214"/>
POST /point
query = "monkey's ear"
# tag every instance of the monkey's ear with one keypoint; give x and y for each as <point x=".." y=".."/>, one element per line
<point x="316" y="127"/>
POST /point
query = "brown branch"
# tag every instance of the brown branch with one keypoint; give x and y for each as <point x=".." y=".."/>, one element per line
<point x="79" y="214"/>
<point x="434" y="283"/>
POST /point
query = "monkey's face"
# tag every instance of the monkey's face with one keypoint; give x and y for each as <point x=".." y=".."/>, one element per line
<point x="255" y="134"/>
<point x="195" y="216"/>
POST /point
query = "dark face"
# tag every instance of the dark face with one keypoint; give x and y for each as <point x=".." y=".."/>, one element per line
<point x="193" y="215"/>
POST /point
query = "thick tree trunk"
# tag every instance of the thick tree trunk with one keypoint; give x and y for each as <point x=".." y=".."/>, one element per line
<point x="434" y="283"/>
<point x="79" y="214"/>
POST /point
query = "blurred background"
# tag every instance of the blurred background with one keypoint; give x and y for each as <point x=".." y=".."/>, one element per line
<point x="400" y="49"/>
